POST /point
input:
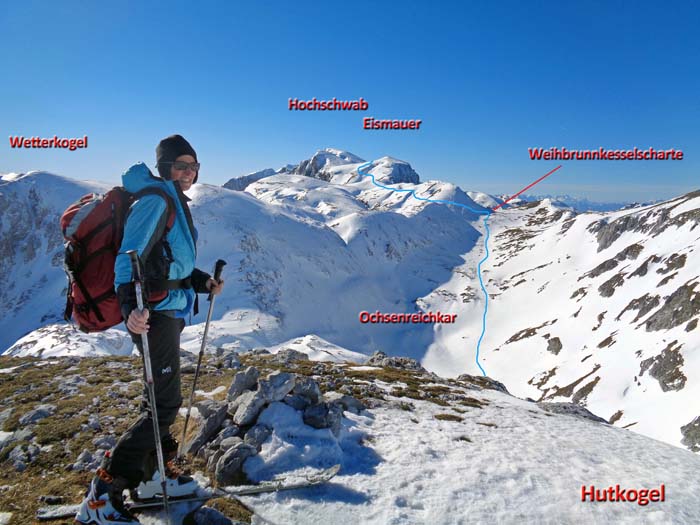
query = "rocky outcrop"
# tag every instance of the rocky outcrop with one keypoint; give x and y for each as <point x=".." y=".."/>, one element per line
<point x="679" y="307"/>
<point x="306" y="387"/>
<point x="229" y="359"/>
<point x="23" y="455"/>
<point x="87" y="461"/>
<point x="603" y="267"/>
<point x="631" y="252"/>
<point x="39" y="413"/>
<point x="242" y="381"/>
<point x="287" y="356"/>
<point x="257" y="435"/>
<point x="231" y="433"/>
<point x="653" y="220"/>
<point x="571" y="409"/>
<point x="484" y="382"/>
<point x="208" y="516"/>
<point x="405" y="363"/>
<point x="608" y="232"/>
<point x="644" y="304"/>
<point x="347" y="402"/>
<point x="208" y="429"/>
<point x="29" y="232"/>
<point x="674" y="262"/>
<point x="643" y="268"/>
<point x="554" y="345"/>
<point x="319" y="165"/>
<point x="324" y="415"/>
<point x="276" y="386"/>
<point x="18" y="436"/>
<point x="246" y="407"/>
<point x="230" y="466"/>
<point x="579" y="397"/>
<point x="607" y="289"/>
<point x="691" y="435"/>
<point x="666" y="368"/>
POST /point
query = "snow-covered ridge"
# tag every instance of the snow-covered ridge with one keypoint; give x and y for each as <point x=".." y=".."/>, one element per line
<point x="336" y="166"/>
<point x="240" y="183"/>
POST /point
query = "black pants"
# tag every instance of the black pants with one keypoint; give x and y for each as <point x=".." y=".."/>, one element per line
<point x="135" y="448"/>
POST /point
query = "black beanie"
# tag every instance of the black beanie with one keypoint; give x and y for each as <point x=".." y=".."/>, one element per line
<point x="168" y="150"/>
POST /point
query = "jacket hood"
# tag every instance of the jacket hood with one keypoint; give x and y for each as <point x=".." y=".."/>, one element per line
<point x="139" y="177"/>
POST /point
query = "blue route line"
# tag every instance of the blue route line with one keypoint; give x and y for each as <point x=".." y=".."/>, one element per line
<point x="482" y="211"/>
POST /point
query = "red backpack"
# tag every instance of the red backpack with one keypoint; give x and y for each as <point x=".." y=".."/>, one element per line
<point x="93" y="228"/>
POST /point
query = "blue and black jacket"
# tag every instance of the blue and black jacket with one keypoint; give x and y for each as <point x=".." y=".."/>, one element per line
<point x="168" y="256"/>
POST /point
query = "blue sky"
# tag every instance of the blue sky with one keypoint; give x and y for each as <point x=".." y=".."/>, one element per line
<point x="487" y="79"/>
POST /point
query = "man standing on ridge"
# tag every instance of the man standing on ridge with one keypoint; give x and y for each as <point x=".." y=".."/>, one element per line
<point x="161" y="231"/>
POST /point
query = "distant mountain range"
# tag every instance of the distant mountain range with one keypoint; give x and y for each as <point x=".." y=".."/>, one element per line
<point x="581" y="204"/>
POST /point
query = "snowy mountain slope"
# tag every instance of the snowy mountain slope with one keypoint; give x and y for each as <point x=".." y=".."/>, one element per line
<point x="599" y="309"/>
<point x="31" y="249"/>
<point x="484" y="199"/>
<point x="240" y="183"/>
<point x="307" y="264"/>
<point x="64" y="340"/>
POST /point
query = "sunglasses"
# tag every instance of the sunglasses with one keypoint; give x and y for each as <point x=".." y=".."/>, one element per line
<point x="182" y="166"/>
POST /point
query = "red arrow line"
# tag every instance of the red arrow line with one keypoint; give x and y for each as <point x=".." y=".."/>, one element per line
<point x="526" y="188"/>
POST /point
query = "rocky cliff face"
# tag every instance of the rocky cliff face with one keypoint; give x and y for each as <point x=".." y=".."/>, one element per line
<point x="321" y="164"/>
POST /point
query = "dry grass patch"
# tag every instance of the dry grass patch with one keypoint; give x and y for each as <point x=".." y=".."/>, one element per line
<point x="472" y="402"/>
<point x="232" y="508"/>
<point x="22" y="496"/>
<point x="448" y="417"/>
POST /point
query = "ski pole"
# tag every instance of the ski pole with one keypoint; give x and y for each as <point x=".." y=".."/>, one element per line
<point x="217" y="276"/>
<point x="136" y="273"/>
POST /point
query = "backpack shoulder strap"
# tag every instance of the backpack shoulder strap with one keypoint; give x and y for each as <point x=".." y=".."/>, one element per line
<point x="169" y="203"/>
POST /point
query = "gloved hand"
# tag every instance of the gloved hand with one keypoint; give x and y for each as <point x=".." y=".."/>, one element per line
<point x="214" y="287"/>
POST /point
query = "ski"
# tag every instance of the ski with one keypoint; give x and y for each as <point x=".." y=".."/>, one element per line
<point x="55" y="512"/>
<point x="284" y="484"/>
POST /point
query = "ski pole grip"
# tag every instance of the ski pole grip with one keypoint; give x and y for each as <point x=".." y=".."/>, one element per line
<point x="136" y="276"/>
<point x="135" y="265"/>
<point x="218" y="268"/>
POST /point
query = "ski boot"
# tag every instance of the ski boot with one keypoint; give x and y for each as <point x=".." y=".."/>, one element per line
<point x="176" y="483"/>
<point x="104" y="502"/>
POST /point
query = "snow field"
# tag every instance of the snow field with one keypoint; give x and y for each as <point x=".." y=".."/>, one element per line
<point x="406" y="467"/>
